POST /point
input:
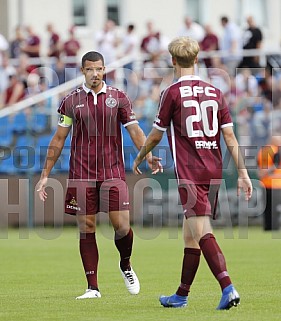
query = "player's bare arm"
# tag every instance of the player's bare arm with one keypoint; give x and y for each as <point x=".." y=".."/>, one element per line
<point x="244" y="181"/>
<point x="53" y="153"/>
<point x="152" y="140"/>
<point x="139" y="138"/>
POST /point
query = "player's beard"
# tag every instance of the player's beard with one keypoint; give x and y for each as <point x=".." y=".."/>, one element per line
<point x="95" y="83"/>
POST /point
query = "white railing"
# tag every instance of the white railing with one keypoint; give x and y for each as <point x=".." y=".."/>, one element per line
<point x="56" y="91"/>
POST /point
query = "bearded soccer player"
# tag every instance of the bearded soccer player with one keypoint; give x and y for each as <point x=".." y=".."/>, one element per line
<point x="194" y="114"/>
<point x="94" y="112"/>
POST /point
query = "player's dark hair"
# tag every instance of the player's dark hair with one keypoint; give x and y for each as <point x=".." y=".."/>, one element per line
<point x="92" y="56"/>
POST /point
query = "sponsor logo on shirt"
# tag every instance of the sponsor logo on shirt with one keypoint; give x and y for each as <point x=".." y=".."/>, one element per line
<point x="133" y="116"/>
<point x="73" y="205"/>
<point x="79" y="106"/>
<point x="202" y="144"/>
<point x="111" y="102"/>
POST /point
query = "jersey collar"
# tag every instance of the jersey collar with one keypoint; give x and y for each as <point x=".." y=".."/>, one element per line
<point x="88" y="90"/>
<point x="189" y="77"/>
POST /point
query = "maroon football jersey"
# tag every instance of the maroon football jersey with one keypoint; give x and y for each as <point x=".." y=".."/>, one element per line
<point x="194" y="112"/>
<point x="96" y="145"/>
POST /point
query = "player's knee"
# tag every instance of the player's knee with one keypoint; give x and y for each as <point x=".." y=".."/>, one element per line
<point x="86" y="224"/>
<point x="90" y="226"/>
<point x="190" y="242"/>
<point x="121" y="232"/>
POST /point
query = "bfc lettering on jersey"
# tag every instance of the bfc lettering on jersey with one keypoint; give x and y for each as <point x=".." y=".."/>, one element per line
<point x="194" y="112"/>
<point x="195" y="91"/>
<point x="201" y="144"/>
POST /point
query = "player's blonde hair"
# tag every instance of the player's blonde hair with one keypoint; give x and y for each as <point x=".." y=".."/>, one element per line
<point x="184" y="50"/>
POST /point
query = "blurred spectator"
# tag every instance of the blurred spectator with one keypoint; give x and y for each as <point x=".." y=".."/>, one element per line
<point x="270" y="175"/>
<point x="71" y="48"/>
<point x="44" y="86"/>
<point x="33" y="87"/>
<point x="54" y="42"/>
<point x="107" y="42"/>
<point x="219" y="76"/>
<point x="210" y="42"/>
<point x="4" y="46"/>
<point x="5" y="71"/>
<point x="148" y="37"/>
<point x="151" y="104"/>
<point x="139" y="107"/>
<point x="17" y="43"/>
<point x="32" y="43"/>
<point x="276" y="93"/>
<point x="276" y="117"/>
<point x="24" y="67"/>
<point x="130" y="44"/>
<point x="231" y="44"/>
<point x="146" y="104"/>
<point x="266" y="83"/>
<point x="158" y="45"/>
<point x="261" y="124"/>
<point x="233" y="95"/>
<point x="61" y="73"/>
<point x="246" y="82"/>
<point x="192" y="29"/>
<point x="252" y="39"/>
<point x="154" y="44"/>
<point x="130" y="48"/>
<point x="15" y="90"/>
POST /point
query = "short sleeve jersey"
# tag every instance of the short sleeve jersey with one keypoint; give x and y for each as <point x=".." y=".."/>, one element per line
<point x="193" y="112"/>
<point x="96" y="144"/>
<point x="33" y="41"/>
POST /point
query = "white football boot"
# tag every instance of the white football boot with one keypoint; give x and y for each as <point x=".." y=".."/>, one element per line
<point x="131" y="281"/>
<point x="89" y="294"/>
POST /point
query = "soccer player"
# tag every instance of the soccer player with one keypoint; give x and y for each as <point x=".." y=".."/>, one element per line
<point x="194" y="113"/>
<point x="94" y="112"/>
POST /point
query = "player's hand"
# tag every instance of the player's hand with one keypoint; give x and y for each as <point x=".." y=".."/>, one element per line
<point x="155" y="164"/>
<point x="135" y="168"/>
<point x="41" y="188"/>
<point x="246" y="185"/>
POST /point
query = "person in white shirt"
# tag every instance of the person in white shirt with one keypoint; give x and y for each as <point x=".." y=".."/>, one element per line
<point x="192" y="29"/>
<point x="130" y="48"/>
<point x="107" y="42"/>
<point x="4" y="45"/>
<point x="231" y="43"/>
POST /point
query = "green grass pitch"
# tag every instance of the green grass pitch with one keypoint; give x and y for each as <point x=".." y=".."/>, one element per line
<point x="41" y="273"/>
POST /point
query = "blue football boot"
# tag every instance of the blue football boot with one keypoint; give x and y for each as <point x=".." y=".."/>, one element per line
<point x="173" y="301"/>
<point x="230" y="298"/>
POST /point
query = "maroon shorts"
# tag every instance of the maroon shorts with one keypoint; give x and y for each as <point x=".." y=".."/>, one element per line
<point x="199" y="200"/>
<point x="91" y="197"/>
